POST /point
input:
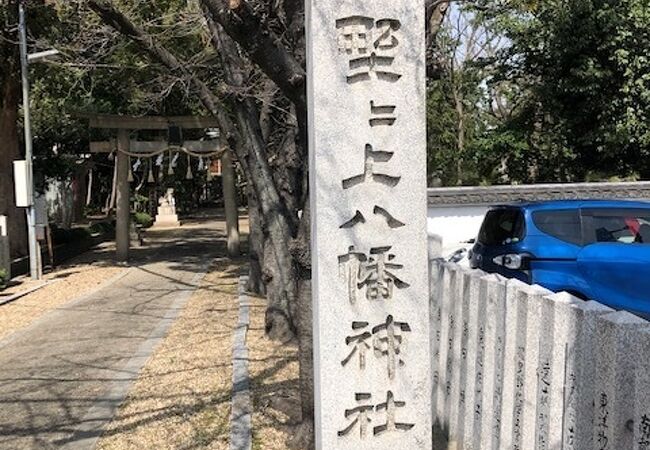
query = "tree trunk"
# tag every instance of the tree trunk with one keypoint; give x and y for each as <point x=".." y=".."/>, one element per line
<point x="301" y="250"/>
<point x="9" y="144"/>
<point x="460" y="136"/>
<point x="255" y="246"/>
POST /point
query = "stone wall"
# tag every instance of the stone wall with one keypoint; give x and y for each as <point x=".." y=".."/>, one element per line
<point x="517" y="367"/>
<point x="455" y="214"/>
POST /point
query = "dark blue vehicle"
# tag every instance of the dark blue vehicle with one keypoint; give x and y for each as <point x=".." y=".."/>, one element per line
<point x="594" y="249"/>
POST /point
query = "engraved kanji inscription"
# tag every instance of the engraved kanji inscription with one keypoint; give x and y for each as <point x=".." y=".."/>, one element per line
<point x="379" y="278"/>
<point x="359" y="218"/>
<point x="360" y="415"/>
<point x="391" y="425"/>
<point x="350" y="268"/>
<point x="644" y="433"/>
<point x="355" y="35"/>
<point x="385" y="37"/>
<point x="374" y="273"/>
<point x="388" y="340"/>
<point x="369" y="175"/>
<point x="363" y="414"/>
<point x="370" y="47"/>
<point x="359" y="344"/>
<point x="382" y="115"/>
<point x="602" y="422"/>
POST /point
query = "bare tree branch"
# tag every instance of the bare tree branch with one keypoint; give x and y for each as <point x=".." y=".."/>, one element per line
<point x="264" y="48"/>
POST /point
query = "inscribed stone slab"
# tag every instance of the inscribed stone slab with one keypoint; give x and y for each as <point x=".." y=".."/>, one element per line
<point x="614" y="395"/>
<point x="642" y="393"/>
<point x="493" y="289"/>
<point x="472" y="366"/>
<point x="436" y="274"/>
<point x="520" y="364"/>
<point x="447" y="320"/>
<point x="366" y="89"/>
<point x="573" y="372"/>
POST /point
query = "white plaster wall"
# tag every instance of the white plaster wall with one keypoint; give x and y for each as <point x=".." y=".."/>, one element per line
<point x="455" y="224"/>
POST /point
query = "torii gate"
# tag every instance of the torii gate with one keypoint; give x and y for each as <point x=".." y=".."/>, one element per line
<point x="124" y="126"/>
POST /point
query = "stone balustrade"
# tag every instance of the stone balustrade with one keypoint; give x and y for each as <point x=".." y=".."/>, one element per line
<point x="517" y="367"/>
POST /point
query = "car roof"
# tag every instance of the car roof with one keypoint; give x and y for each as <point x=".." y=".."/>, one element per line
<point x="575" y="204"/>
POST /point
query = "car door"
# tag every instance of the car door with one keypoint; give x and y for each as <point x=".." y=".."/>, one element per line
<point x="618" y="275"/>
<point x="616" y="264"/>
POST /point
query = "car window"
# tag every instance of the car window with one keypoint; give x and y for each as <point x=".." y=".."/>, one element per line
<point x="562" y="224"/>
<point x="626" y="226"/>
<point x="502" y="226"/>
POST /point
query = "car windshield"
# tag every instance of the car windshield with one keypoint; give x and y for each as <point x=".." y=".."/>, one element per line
<point x="502" y="226"/>
<point x="624" y="226"/>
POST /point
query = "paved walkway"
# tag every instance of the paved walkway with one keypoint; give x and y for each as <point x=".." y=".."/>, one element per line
<point x="62" y="378"/>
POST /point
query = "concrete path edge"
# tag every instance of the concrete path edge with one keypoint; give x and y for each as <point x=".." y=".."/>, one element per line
<point x="240" y="420"/>
<point x="87" y="435"/>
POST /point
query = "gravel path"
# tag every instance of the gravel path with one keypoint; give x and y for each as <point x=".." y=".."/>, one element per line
<point x="182" y="398"/>
<point x="78" y="277"/>
<point x="63" y="376"/>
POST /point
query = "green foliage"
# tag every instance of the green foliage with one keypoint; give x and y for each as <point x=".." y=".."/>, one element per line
<point x="62" y="236"/>
<point x="4" y="279"/>
<point x="566" y="95"/>
<point x="99" y="228"/>
<point x="143" y="219"/>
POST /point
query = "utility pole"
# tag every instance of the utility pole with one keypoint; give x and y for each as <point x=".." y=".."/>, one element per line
<point x="35" y="267"/>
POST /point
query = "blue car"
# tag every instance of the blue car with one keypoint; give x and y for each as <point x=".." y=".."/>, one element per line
<point x="594" y="249"/>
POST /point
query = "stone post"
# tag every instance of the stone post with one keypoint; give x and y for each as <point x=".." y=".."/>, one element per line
<point x="230" y="203"/>
<point x="456" y="361"/>
<point x="469" y="415"/>
<point x="616" y="363"/>
<point x="367" y="140"/>
<point x="569" y="406"/>
<point x="436" y="270"/>
<point x="493" y="290"/>
<point x="5" y="251"/>
<point x="521" y="361"/>
<point x="642" y="393"/>
<point x="123" y="206"/>
<point x="449" y="319"/>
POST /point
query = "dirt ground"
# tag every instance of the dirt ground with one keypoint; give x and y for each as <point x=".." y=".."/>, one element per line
<point x="275" y="385"/>
<point x="181" y="399"/>
<point x="78" y="277"/>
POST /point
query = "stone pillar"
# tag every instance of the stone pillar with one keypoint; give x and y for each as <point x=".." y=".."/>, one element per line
<point x="540" y="379"/>
<point x="457" y="343"/>
<point x="230" y="203"/>
<point x="521" y="360"/>
<point x="449" y="319"/>
<point x="473" y="344"/>
<point x="616" y="363"/>
<point x="569" y="409"/>
<point x="642" y="393"/>
<point x="5" y="251"/>
<point x="436" y="276"/>
<point x="366" y="76"/>
<point x="123" y="207"/>
<point x="493" y="290"/>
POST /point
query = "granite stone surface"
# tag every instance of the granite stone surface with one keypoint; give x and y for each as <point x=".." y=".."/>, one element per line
<point x="614" y="396"/>
<point x="493" y="289"/>
<point x="642" y="392"/>
<point x="366" y="91"/>
<point x="473" y="345"/>
<point x="521" y="358"/>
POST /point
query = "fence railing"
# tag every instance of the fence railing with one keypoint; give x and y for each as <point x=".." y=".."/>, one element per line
<point x="517" y="367"/>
